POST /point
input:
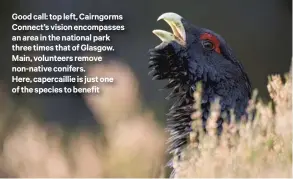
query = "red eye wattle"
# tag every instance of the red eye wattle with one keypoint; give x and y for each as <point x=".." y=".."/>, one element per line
<point x="213" y="40"/>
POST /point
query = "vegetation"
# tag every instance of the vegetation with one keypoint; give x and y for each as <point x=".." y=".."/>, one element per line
<point x="133" y="145"/>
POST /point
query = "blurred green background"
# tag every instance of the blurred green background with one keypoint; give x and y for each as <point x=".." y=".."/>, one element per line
<point x="259" y="32"/>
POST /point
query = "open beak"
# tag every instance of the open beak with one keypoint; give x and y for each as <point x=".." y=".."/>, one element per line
<point x="174" y="21"/>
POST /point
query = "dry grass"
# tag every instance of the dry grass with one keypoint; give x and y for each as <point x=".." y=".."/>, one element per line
<point x="132" y="144"/>
<point x="259" y="148"/>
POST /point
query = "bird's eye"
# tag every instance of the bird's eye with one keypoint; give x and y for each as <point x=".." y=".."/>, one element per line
<point x="208" y="45"/>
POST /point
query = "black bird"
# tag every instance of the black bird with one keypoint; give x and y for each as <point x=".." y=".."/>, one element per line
<point x="189" y="55"/>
